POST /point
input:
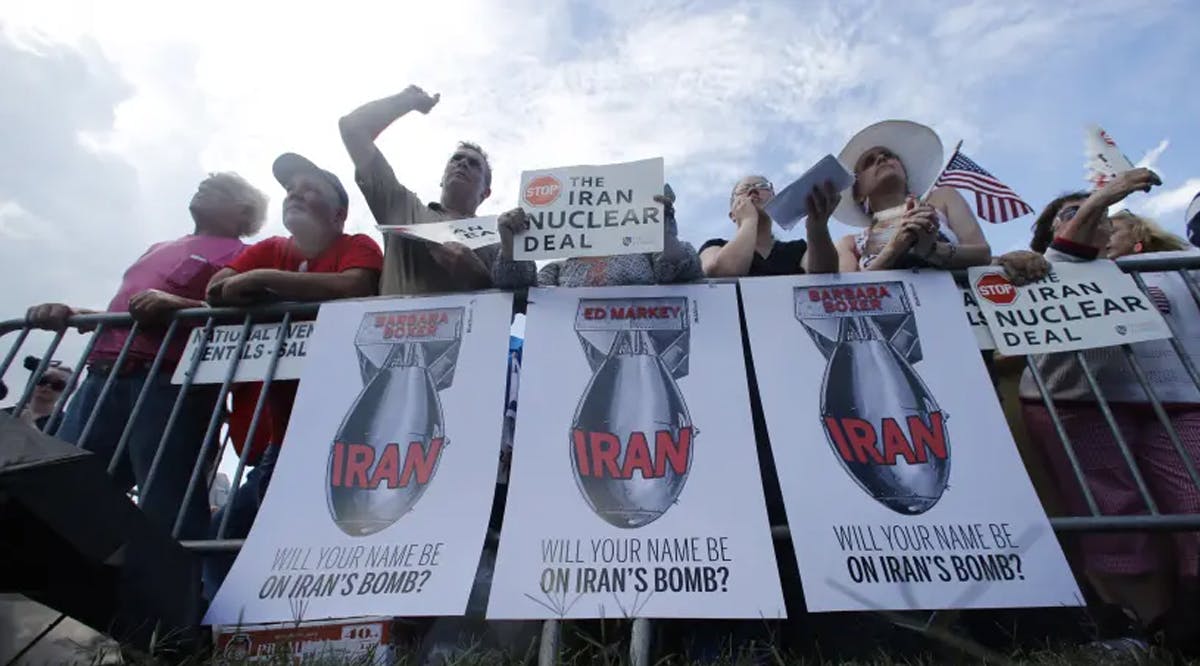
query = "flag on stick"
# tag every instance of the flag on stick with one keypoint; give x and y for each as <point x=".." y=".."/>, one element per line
<point x="994" y="201"/>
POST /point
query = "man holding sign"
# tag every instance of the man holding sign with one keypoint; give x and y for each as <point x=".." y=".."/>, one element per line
<point x="414" y="266"/>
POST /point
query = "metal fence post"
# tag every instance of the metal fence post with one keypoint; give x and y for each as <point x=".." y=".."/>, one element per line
<point x="72" y="383"/>
<point x="107" y="388"/>
<point x="213" y="422"/>
<point x="31" y="385"/>
<point x="548" y="647"/>
<point x="272" y="364"/>
<point x="155" y="366"/>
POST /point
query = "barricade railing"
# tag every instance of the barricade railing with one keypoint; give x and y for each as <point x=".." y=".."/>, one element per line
<point x="184" y="321"/>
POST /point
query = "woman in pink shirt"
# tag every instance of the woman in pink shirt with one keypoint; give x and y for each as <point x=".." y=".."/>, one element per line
<point x="169" y="276"/>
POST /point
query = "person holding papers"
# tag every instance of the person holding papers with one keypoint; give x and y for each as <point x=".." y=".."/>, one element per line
<point x="678" y="261"/>
<point x="754" y="250"/>
<point x="1152" y="578"/>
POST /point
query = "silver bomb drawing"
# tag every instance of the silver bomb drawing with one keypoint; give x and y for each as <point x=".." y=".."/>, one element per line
<point x="880" y="419"/>
<point x="631" y="439"/>
<point x="390" y="442"/>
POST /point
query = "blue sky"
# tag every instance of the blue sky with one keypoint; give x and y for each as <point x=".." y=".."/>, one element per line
<point x="122" y="111"/>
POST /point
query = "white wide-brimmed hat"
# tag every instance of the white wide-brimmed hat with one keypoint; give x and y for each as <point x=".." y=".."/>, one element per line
<point x="917" y="146"/>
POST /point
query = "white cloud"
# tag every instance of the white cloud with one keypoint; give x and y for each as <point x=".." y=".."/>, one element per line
<point x="1168" y="203"/>
<point x="719" y="90"/>
<point x="1150" y="159"/>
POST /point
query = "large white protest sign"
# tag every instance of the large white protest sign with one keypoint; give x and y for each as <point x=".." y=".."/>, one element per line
<point x="380" y="500"/>
<point x="1077" y="306"/>
<point x="635" y="488"/>
<point x="591" y="211"/>
<point x="217" y="353"/>
<point x="903" y="487"/>
<point x="474" y="232"/>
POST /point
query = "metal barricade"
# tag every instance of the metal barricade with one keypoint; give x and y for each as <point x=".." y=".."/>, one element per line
<point x="284" y="314"/>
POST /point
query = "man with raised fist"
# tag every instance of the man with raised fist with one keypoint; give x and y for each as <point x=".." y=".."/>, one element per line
<point x="413" y="266"/>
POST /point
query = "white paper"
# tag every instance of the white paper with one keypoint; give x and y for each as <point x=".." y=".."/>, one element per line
<point x="1077" y="306"/>
<point x="301" y="557"/>
<point x="591" y="211"/>
<point x="256" y="355"/>
<point x="789" y="205"/>
<point x="474" y="232"/>
<point x="712" y="537"/>
<point x="862" y="540"/>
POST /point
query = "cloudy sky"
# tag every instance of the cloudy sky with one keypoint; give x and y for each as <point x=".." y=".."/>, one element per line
<point x="112" y="113"/>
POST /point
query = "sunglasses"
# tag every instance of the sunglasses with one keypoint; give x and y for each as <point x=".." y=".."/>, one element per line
<point x="54" y="383"/>
<point x="874" y="158"/>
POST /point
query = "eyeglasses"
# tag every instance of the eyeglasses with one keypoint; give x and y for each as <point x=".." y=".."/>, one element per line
<point x="747" y="188"/>
<point x="52" y="382"/>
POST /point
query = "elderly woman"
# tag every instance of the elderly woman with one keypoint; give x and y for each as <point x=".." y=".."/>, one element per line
<point x="754" y="250"/>
<point x="678" y="261"/>
<point x="1151" y="577"/>
<point x="1132" y="234"/>
<point x="169" y="276"/>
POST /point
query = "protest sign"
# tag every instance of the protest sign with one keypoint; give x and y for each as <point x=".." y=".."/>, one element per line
<point x="1077" y="306"/>
<point x="380" y="499"/>
<point x="591" y="211"/>
<point x="216" y="354"/>
<point x="983" y="336"/>
<point x="635" y="488"/>
<point x="902" y="484"/>
<point x="474" y="232"/>
<point x="363" y="641"/>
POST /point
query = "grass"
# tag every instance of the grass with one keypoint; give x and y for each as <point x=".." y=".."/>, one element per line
<point x="606" y="644"/>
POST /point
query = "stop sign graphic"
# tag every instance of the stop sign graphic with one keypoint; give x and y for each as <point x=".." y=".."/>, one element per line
<point x="996" y="288"/>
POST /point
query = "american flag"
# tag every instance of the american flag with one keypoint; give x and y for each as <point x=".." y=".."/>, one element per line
<point x="994" y="201"/>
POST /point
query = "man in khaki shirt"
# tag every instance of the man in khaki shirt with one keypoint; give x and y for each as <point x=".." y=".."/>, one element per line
<point x="412" y="266"/>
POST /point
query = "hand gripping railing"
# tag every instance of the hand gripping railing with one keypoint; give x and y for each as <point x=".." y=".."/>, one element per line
<point x="285" y="314"/>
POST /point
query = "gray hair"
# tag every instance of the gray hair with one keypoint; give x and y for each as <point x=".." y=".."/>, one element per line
<point x="245" y="194"/>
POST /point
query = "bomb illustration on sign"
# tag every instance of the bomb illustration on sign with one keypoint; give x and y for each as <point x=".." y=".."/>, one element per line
<point x="880" y="419"/>
<point x="631" y="439"/>
<point x="388" y="447"/>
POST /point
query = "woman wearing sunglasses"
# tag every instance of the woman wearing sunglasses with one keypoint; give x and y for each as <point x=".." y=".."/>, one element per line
<point x="904" y="223"/>
<point x="46" y="393"/>
<point x="754" y="250"/>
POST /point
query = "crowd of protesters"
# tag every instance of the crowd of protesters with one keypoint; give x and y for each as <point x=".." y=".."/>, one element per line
<point x="1147" y="581"/>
